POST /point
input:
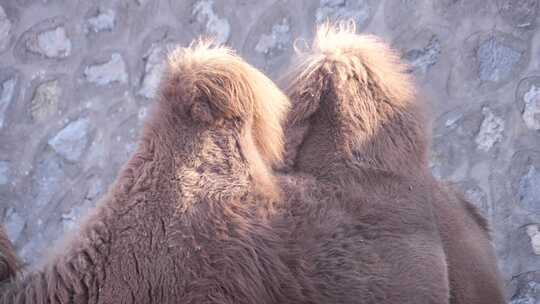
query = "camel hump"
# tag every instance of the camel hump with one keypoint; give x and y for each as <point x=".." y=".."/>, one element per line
<point x="338" y="55"/>
<point x="214" y="83"/>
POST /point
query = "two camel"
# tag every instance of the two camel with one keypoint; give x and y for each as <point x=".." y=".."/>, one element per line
<point x="198" y="215"/>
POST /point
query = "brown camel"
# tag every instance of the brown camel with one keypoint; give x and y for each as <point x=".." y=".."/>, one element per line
<point x="357" y="126"/>
<point x="196" y="215"/>
<point x="9" y="262"/>
<point x="188" y="219"/>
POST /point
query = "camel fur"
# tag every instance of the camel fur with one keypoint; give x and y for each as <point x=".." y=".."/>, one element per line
<point x="9" y="262"/>
<point x="357" y="127"/>
<point x="188" y="218"/>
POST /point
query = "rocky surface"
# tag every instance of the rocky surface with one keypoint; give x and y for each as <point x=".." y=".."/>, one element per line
<point x="52" y="43"/>
<point x="106" y="73"/>
<point x="77" y="78"/>
<point x="5" y="29"/>
<point x="214" y="25"/>
<point x="491" y="130"/>
<point x="103" y="20"/>
<point x="71" y="141"/>
<point x="6" y="96"/>
<point x="45" y="102"/>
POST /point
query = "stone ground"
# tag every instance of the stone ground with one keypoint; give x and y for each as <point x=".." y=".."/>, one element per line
<point x="76" y="78"/>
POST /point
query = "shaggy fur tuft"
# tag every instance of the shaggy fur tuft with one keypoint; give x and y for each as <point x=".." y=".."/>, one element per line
<point x="366" y="58"/>
<point x="356" y="125"/>
<point x="363" y="144"/>
<point x="188" y="219"/>
<point x="369" y="97"/>
<point x="9" y="263"/>
<point x="222" y="85"/>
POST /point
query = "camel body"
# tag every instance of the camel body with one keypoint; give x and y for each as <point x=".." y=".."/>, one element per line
<point x="358" y="128"/>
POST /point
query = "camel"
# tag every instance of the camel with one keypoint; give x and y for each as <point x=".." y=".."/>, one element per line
<point x="357" y="126"/>
<point x="188" y="218"/>
<point x="9" y="262"/>
<point x="198" y="216"/>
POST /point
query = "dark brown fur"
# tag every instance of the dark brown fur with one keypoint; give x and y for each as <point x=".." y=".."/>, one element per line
<point x="392" y="233"/>
<point x="188" y="219"/>
<point x="472" y="264"/>
<point x="9" y="262"/>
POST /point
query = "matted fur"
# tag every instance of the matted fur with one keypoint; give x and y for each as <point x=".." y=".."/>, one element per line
<point x="374" y="96"/>
<point x="357" y="128"/>
<point x="363" y="56"/>
<point x="9" y="263"/>
<point x="188" y="219"/>
<point x="233" y="89"/>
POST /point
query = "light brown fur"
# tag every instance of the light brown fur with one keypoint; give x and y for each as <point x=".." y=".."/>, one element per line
<point x="188" y="219"/>
<point x="339" y="55"/>
<point x="9" y="262"/>
<point x="357" y="127"/>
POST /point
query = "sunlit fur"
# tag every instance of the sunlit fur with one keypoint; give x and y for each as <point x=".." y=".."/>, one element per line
<point x="357" y="127"/>
<point x="9" y="263"/>
<point x="374" y="97"/>
<point x="188" y="218"/>
<point x="234" y="89"/>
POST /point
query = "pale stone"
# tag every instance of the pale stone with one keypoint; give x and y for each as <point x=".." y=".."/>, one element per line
<point x="424" y="58"/>
<point x="339" y="10"/>
<point x="531" y="112"/>
<point x="5" y="172"/>
<point x="107" y="73"/>
<point x="104" y="21"/>
<point x="491" y="130"/>
<point x="534" y="235"/>
<point x="496" y="60"/>
<point x="5" y="29"/>
<point x="45" y="101"/>
<point x="52" y="43"/>
<point x="71" y="141"/>
<point x="529" y="190"/>
<point x="14" y="225"/>
<point x="6" y="96"/>
<point x="153" y="69"/>
<point x="217" y="27"/>
<point x="48" y="179"/>
<point x="277" y="40"/>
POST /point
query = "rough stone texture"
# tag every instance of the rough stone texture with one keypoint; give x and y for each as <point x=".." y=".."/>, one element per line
<point x="215" y="26"/>
<point x="528" y="291"/>
<point x="276" y="41"/>
<point x="423" y="59"/>
<point x="491" y="130"/>
<point x="360" y="11"/>
<point x="71" y="141"/>
<point x="53" y="43"/>
<point x="519" y="13"/>
<point x="47" y="179"/>
<point x="529" y="190"/>
<point x="104" y="20"/>
<point x="489" y="59"/>
<point x="103" y="74"/>
<point x="77" y="78"/>
<point x="14" y="224"/>
<point x="6" y="95"/>
<point x="5" y="29"/>
<point x="46" y="100"/>
<point x="4" y="172"/>
<point x="534" y="234"/>
<point x="531" y="112"/>
<point x="153" y="69"/>
<point x="478" y="197"/>
<point x="496" y="60"/>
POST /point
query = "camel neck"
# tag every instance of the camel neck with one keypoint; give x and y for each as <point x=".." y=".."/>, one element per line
<point x="331" y="147"/>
